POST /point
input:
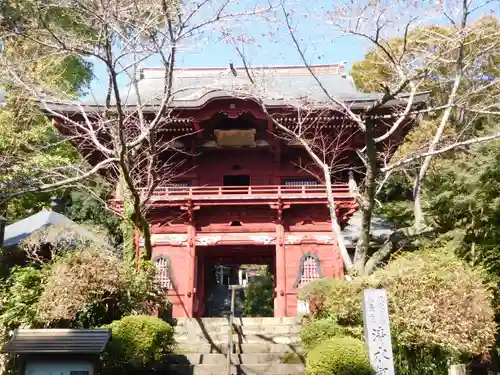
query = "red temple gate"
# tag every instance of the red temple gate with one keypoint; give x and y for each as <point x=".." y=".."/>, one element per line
<point x="243" y="194"/>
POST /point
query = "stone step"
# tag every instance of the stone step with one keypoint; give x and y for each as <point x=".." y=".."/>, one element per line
<point x="210" y="322"/>
<point x="237" y="339"/>
<point x="221" y="359"/>
<point x="242" y="329"/>
<point x="256" y="369"/>
<point x="246" y="348"/>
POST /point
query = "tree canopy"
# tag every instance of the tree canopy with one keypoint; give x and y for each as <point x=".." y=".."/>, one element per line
<point x="30" y="146"/>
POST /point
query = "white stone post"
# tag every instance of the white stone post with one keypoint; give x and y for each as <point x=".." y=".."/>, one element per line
<point x="377" y="331"/>
<point x="457" y="370"/>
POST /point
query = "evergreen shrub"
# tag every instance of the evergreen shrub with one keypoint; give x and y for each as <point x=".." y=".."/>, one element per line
<point x="92" y="287"/>
<point x="315" y="331"/>
<point x="438" y="300"/>
<point x="338" y="298"/>
<point x="339" y="356"/>
<point x="138" y="341"/>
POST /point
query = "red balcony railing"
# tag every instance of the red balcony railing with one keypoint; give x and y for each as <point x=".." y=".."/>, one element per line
<point x="248" y="192"/>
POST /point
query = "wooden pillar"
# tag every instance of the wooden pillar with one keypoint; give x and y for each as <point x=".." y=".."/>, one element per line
<point x="191" y="248"/>
<point x="191" y="261"/>
<point x="200" y="286"/>
<point x="280" y="290"/>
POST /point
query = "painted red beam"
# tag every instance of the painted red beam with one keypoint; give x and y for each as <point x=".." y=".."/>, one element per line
<point x="248" y="196"/>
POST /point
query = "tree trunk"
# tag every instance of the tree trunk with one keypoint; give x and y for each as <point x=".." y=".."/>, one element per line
<point x="336" y="230"/>
<point x="367" y="201"/>
<point x="417" y="208"/>
<point x="127" y="226"/>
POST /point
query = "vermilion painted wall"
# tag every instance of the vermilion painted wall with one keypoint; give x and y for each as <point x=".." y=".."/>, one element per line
<point x="307" y="224"/>
<point x="265" y="166"/>
<point x="179" y="256"/>
<point x="330" y="264"/>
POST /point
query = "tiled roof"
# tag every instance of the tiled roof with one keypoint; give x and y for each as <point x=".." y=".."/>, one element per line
<point x="381" y="229"/>
<point x="82" y="341"/>
<point x="18" y="231"/>
<point x="280" y="83"/>
<point x="275" y="86"/>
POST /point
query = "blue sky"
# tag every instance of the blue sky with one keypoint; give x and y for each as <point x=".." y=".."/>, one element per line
<point x="220" y="54"/>
<point x="270" y="45"/>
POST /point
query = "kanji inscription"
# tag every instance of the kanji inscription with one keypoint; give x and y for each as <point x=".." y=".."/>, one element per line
<point x="377" y="331"/>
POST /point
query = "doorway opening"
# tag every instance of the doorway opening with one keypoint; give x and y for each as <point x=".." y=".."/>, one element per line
<point x="236" y="180"/>
<point x="252" y="267"/>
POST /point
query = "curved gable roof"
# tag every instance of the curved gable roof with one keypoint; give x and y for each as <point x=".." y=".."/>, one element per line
<point x="15" y="233"/>
<point x="275" y="86"/>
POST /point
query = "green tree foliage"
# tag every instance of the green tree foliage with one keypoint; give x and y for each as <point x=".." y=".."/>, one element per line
<point x="460" y="189"/>
<point x="259" y="296"/>
<point x="427" y="42"/>
<point x="137" y="342"/>
<point x="19" y="295"/>
<point x="88" y="209"/>
<point x="30" y="146"/>
<point x="464" y="204"/>
<point x="339" y="356"/>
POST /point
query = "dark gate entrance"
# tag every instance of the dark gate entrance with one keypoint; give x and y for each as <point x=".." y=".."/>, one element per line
<point x="224" y="266"/>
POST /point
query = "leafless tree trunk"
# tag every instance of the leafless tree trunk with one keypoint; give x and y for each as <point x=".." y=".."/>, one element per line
<point x="304" y="137"/>
<point x="411" y="66"/>
<point x="120" y="35"/>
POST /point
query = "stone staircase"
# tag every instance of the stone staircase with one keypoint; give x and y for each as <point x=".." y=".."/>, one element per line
<point x="261" y="346"/>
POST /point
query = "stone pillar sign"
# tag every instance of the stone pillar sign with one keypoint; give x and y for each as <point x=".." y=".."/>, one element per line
<point x="377" y="331"/>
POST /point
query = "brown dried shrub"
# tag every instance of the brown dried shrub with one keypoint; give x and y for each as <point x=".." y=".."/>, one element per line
<point x="438" y="299"/>
<point x="435" y="299"/>
<point x="81" y="282"/>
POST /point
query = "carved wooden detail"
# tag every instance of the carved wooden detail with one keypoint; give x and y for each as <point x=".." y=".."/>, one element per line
<point x="264" y="240"/>
<point x="323" y="239"/>
<point x="208" y="240"/>
<point x="293" y="239"/>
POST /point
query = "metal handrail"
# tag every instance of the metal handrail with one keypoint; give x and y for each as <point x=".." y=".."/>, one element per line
<point x="233" y="289"/>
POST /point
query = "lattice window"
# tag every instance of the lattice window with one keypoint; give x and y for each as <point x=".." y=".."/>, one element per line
<point x="309" y="270"/>
<point x="300" y="182"/>
<point x="163" y="273"/>
<point x="178" y="186"/>
<point x="180" y="183"/>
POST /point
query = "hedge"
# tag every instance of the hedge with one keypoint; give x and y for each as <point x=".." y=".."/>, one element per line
<point x="315" y="331"/>
<point x="339" y="356"/>
<point x="138" y="341"/>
